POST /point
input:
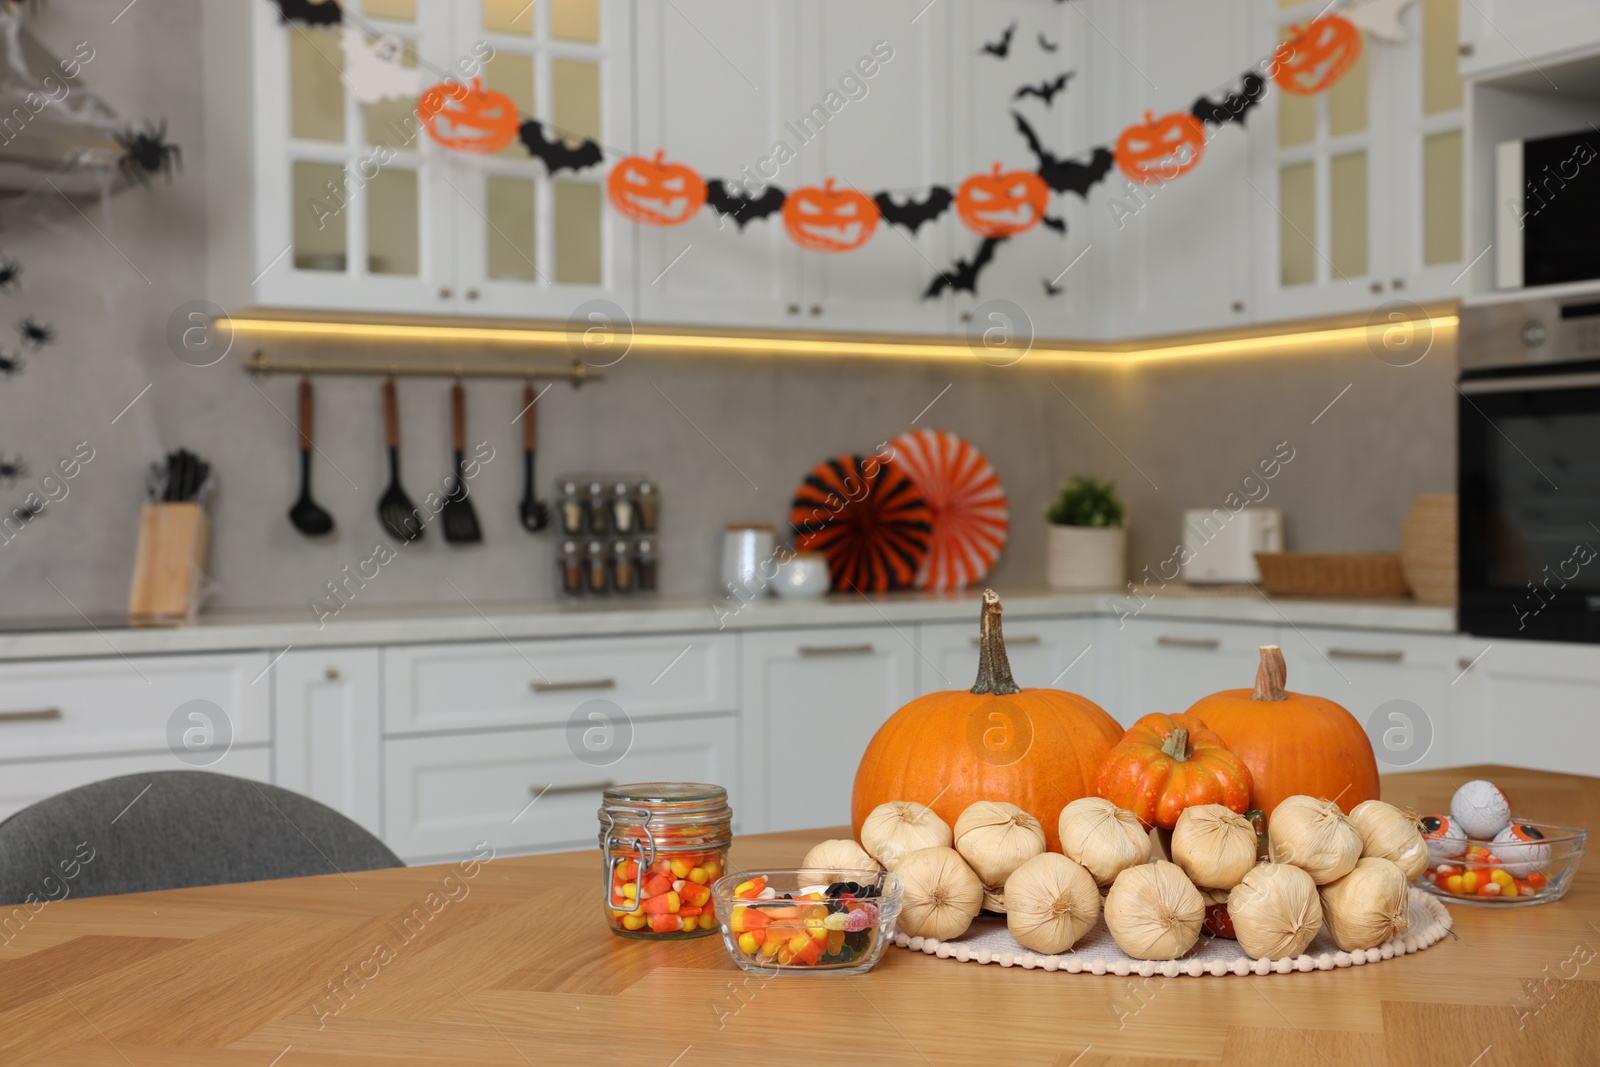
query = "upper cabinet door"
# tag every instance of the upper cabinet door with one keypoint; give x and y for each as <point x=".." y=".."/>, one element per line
<point x="1178" y="250"/>
<point x="716" y="84"/>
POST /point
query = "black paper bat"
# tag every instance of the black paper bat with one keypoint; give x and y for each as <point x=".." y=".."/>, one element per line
<point x="963" y="277"/>
<point x="1066" y="175"/>
<point x="740" y="208"/>
<point x="1002" y="48"/>
<point x="557" y="154"/>
<point x="326" y="13"/>
<point x="1058" y="225"/>
<point x="1233" y="107"/>
<point x="913" y="213"/>
<point x="1047" y="45"/>
<point x="1051" y="288"/>
<point x="10" y="275"/>
<point x="34" y="334"/>
<point x="1045" y="91"/>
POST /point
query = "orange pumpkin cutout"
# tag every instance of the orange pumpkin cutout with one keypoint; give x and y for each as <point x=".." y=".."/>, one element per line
<point x="1166" y="763"/>
<point x="653" y="191"/>
<point x="469" y="118"/>
<point x="1317" y="55"/>
<point x="1002" y="204"/>
<point x="829" y="219"/>
<point x="1161" y="149"/>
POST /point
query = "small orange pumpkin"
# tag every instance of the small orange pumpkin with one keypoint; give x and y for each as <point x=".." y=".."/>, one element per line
<point x="1166" y="763"/>
<point x="1001" y="204"/>
<point x="1291" y="742"/>
<point x="1161" y="149"/>
<point x="654" y="191"/>
<point x="829" y="220"/>
<point x="1316" y="55"/>
<point x="1036" y="748"/>
<point x="469" y="118"/>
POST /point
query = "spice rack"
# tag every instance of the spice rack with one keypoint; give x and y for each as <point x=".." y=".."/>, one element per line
<point x="608" y="524"/>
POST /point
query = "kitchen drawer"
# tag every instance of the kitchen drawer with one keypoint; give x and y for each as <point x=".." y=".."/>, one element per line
<point x="1167" y="666"/>
<point x="442" y="795"/>
<point x="115" y="705"/>
<point x="538" y="683"/>
<point x="27" y="783"/>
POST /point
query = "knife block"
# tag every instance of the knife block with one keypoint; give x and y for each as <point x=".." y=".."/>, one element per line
<point x="169" y="565"/>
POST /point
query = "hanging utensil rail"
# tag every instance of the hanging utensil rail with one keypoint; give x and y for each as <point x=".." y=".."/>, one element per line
<point x="578" y="373"/>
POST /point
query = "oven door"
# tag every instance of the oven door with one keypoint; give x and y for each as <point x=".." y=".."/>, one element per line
<point x="1529" y="482"/>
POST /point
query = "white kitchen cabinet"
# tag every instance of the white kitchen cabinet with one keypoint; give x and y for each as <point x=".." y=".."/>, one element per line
<point x="810" y="701"/>
<point x="1044" y="654"/>
<point x="1528" y="704"/>
<point x="527" y="790"/>
<point x="1504" y="36"/>
<point x="23" y="784"/>
<point x="326" y="716"/>
<point x="1165" y="665"/>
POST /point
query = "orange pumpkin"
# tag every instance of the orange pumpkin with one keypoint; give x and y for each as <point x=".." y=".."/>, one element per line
<point x="1161" y="149"/>
<point x="1036" y="748"/>
<point x="1002" y="204"/>
<point x="1291" y="742"/>
<point x="1316" y="55"/>
<point x="469" y="118"/>
<point x="829" y="220"/>
<point x="654" y="191"/>
<point x="1166" y="763"/>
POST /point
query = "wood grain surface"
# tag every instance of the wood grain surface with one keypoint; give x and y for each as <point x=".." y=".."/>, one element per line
<point x="510" y="963"/>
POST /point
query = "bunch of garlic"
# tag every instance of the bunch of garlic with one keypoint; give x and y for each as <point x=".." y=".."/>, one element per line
<point x="1366" y="907"/>
<point x="1104" y="838"/>
<point x="1275" y="911"/>
<point x="1216" y="847"/>
<point x="1389" y="833"/>
<point x="899" y="827"/>
<point x="1050" y="903"/>
<point x="995" y="838"/>
<point x="838" y="855"/>
<point x="941" y="897"/>
<point x="1315" y="836"/>
<point x="1154" y="912"/>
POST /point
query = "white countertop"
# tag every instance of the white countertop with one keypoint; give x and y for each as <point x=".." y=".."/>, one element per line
<point x="277" y="630"/>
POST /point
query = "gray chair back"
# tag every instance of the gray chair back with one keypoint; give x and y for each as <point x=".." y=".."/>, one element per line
<point x="171" y="829"/>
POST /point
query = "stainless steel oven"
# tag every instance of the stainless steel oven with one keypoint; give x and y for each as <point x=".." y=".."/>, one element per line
<point x="1529" y="470"/>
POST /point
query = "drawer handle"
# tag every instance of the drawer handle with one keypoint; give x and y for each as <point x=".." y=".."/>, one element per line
<point x="561" y="790"/>
<point x="33" y="715"/>
<point x="863" y="649"/>
<point x="1208" y="643"/>
<point x="1013" y="642"/>
<point x="563" y="687"/>
<point x="1392" y="656"/>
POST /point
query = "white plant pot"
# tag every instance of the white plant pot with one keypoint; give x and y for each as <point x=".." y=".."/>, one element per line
<point x="1085" y="557"/>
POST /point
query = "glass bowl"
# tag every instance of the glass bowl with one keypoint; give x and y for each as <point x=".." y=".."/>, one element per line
<point x="807" y="920"/>
<point x="1521" y="873"/>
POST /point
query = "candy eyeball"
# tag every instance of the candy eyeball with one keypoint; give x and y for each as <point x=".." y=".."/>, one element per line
<point x="1480" y="809"/>
<point x="1522" y="850"/>
<point x="1445" y="839"/>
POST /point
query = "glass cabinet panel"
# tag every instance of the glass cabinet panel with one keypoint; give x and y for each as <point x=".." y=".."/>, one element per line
<point x="509" y="16"/>
<point x="1297" y="234"/>
<point x="393" y="212"/>
<point x="575" y="99"/>
<point x="395" y="10"/>
<point x="1441" y="82"/>
<point x="392" y="121"/>
<point x="512" y="232"/>
<point x="1347" y="100"/>
<point x="1347" y="197"/>
<point x="1297" y="120"/>
<point x="512" y="73"/>
<point x="575" y="20"/>
<point x="316" y="85"/>
<point x="318" y="211"/>
<point x="1442" y="198"/>
<point x="577" y="234"/>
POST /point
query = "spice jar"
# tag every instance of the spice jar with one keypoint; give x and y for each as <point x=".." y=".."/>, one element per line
<point x="622" y="509"/>
<point x="569" y="569"/>
<point x="663" y="844"/>
<point x="572" y="510"/>
<point x="647" y="567"/>
<point x="623" y="573"/>
<point x="599" y="509"/>
<point x="596" y="567"/>
<point x="648" y="502"/>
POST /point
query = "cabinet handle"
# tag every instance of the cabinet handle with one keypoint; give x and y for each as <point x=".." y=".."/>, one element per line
<point x="1391" y="656"/>
<point x="1465" y="48"/>
<point x="32" y="715"/>
<point x="563" y="687"/>
<point x="331" y="673"/>
<point x="1013" y="642"/>
<point x="472" y="294"/>
<point x="863" y="649"/>
<point x="581" y="787"/>
<point x="794" y="309"/>
<point x="1211" y="644"/>
<point x="1464" y="663"/>
<point x="445" y="292"/>
<point x="816" y="309"/>
<point x="1238" y="307"/>
<point x="1398" y="283"/>
<point x="1377" y="287"/>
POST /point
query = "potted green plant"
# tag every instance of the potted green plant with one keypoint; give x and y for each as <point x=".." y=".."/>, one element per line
<point x="1087" y="541"/>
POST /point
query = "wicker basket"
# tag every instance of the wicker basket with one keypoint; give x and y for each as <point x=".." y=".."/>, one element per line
<point x="1428" y="549"/>
<point x="1364" y="575"/>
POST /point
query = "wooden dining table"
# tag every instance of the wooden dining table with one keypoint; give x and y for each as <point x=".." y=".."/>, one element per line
<point x="510" y="962"/>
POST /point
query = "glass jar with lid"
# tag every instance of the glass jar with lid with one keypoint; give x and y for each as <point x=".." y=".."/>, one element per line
<point x="663" y="844"/>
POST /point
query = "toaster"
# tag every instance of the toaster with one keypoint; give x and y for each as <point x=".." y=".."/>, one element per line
<point x="1220" y="545"/>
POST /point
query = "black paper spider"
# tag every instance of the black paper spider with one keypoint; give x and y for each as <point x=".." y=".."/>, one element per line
<point x="28" y="511"/>
<point x="35" y="335"/>
<point x="10" y="275"/>
<point x="10" y="364"/>
<point x="11" y="470"/>
<point x="146" y="153"/>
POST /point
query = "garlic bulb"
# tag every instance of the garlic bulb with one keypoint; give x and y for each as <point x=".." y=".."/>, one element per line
<point x="1366" y="907"/>
<point x="891" y="830"/>
<point x="1154" y="912"/>
<point x="996" y="838"/>
<point x="1216" y="847"/>
<point x="1102" y="837"/>
<point x="942" y="895"/>
<point x="1050" y="903"/>
<point x="1390" y="834"/>
<point x="837" y="855"/>
<point x="1275" y="911"/>
<point x="1315" y="836"/>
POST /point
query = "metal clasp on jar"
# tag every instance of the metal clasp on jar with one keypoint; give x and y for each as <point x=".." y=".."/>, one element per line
<point x="614" y="846"/>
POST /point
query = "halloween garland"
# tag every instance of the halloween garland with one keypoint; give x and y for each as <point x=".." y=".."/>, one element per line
<point x="836" y="217"/>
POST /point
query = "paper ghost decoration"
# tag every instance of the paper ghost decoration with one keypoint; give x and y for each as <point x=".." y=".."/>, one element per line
<point x="373" y="71"/>
<point x="1380" y="18"/>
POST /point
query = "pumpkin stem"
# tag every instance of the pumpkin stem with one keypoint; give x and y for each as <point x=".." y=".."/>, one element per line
<point x="1271" y="676"/>
<point x="994" y="666"/>
<point x="1177" y="744"/>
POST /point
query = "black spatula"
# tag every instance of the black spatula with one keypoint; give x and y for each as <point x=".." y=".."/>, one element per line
<point x="307" y="517"/>
<point x="395" y="510"/>
<point x="535" y="514"/>
<point x="460" y="521"/>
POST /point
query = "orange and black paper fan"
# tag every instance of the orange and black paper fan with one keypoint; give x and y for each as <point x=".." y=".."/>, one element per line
<point x="868" y="518"/>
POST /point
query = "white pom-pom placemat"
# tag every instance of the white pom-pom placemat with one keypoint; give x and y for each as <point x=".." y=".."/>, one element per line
<point x="988" y="941"/>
